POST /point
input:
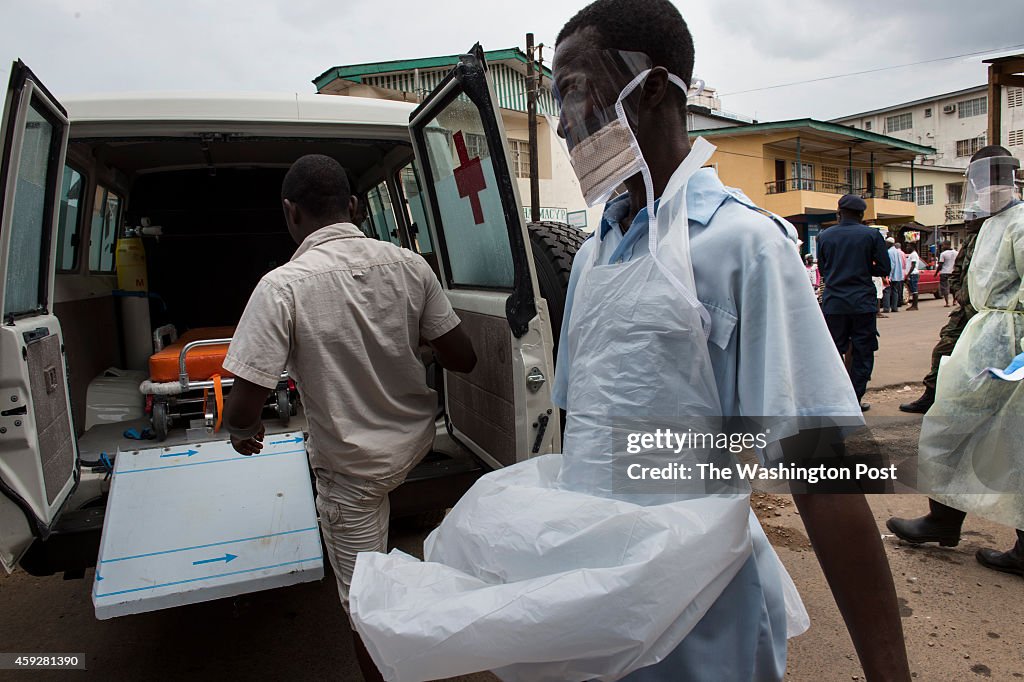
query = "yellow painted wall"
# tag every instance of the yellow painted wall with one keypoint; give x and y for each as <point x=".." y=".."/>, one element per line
<point x="748" y="162"/>
<point x="935" y="213"/>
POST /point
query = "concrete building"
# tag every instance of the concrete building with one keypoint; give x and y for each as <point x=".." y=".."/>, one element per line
<point x="799" y="169"/>
<point x="955" y="124"/>
<point x="560" y="196"/>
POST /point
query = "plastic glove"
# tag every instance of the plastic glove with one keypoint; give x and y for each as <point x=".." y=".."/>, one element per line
<point x="1015" y="364"/>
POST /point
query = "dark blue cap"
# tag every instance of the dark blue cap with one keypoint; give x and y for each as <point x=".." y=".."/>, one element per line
<point x="852" y="202"/>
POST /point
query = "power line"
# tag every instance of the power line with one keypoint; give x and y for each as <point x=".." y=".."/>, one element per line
<point x="883" y="68"/>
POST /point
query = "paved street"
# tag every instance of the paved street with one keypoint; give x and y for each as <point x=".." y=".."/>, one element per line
<point x="962" y="622"/>
<point x="905" y="342"/>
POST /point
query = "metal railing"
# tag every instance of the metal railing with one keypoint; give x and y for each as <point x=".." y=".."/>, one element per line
<point x="898" y="194"/>
<point x="838" y="188"/>
<point x="954" y="213"/>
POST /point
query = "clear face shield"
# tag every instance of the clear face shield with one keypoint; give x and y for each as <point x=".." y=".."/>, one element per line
<point x="599" y="93"/>
<point x="990" y="186"/>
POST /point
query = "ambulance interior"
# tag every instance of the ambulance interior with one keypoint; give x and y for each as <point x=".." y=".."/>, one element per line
<point x="211" y="225"/>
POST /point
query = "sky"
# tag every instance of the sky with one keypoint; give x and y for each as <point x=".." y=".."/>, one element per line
<point x="89" y="46"/>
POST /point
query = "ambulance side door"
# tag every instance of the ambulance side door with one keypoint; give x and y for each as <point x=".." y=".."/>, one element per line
<point x="38" y="450"/>
<point x="502" y="409"/>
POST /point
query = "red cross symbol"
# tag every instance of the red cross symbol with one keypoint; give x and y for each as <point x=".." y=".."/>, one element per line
<point x="469" y="177"/>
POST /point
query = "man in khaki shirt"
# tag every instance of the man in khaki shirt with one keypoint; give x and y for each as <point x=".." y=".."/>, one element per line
<point x="346" y="317"/>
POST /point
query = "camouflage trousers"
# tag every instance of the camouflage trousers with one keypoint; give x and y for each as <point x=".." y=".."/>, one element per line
<point x="947" y="340"/>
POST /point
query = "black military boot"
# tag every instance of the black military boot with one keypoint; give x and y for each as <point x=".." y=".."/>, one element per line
<point x="1007" y="562"/>
<point x="922" y="404"/>
<point x="941" y="525"/>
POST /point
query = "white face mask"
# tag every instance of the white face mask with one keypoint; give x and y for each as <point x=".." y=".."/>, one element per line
<point x="991" y="200"/>
<point x="603" y="160"/>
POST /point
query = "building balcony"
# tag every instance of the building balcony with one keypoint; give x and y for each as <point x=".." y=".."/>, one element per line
<point x="954" y="213"/>
<point x="809" y="197"/>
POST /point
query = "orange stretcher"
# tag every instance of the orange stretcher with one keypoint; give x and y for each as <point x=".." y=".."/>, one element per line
<point x="187" y="379"/>
<point x="201" y="362"/>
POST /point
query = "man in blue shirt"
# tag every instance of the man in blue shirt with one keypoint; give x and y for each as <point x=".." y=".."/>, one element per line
<point x="849" y="255"/>
<point x="893" y="297"/>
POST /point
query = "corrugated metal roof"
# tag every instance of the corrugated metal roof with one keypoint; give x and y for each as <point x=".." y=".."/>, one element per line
<point x="507" y="71"/>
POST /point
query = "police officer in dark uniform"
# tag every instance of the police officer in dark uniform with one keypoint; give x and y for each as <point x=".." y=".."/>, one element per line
<point x="849" y="255"/>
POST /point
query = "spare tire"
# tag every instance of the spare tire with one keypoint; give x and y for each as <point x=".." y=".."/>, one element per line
<point x="554" y="247"/>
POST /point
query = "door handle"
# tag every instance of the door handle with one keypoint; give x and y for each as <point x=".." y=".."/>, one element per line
<point x="535" y="379"/>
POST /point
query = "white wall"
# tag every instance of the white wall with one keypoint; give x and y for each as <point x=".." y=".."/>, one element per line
<point x="942" y="130"/>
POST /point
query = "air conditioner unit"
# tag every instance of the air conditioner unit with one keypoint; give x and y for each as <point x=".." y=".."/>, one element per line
<point x="949" y="109"/>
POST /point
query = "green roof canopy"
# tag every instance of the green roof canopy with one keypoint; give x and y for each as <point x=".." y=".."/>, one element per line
<point x="356" y="72"/>
<point x="828" y="137"/>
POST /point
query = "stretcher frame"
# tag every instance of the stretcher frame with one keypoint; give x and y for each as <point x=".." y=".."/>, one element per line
<point x="175" y="394"/>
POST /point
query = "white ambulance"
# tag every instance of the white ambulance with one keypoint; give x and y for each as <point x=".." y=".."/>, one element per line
<point x="134" y="229"/>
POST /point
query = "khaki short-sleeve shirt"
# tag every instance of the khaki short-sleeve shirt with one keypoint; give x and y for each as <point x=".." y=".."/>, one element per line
<point x="345" y="316"/>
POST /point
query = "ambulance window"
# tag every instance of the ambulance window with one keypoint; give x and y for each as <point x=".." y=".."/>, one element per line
<point x="419" y="232"/>
<point x="106" y="215"/>
<point x="473" y="228"/>
<point x="382" y="214"/>
<point x="67" y="221"/>
<point x="27" y="255"/>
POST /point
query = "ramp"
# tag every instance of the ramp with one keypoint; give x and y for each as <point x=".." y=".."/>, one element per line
<point x="192" y="523"/>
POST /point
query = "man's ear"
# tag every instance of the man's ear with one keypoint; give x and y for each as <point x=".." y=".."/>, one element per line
<point x="655" y="86"/>
<point x="353" y="206"/>
<point x="292" y="214"/>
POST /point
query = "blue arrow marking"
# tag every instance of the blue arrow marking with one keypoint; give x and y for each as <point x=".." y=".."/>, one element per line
<point x="297" y="439"/>
<point x="227" y="558"/>
<point x="187" y="453"/>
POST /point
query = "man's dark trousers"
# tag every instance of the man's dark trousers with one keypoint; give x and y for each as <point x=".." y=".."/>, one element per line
<point x="860" y="332"/>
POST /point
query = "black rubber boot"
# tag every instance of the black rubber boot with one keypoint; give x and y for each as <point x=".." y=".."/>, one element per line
<point x="922" y="404"/>
<point x="1007" y="562"/>
<point x="913" y="305"/>
<point x="941" y="525"/>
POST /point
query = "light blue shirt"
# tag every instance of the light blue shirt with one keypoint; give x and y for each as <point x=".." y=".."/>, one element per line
<point x="895" y="265"/>
<point x="772" y="355"/>
<point x="770" y="349"/>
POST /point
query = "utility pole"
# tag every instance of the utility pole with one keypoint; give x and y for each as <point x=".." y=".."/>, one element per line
<point x="1002" y="72"/>
<point x="532" y="80"/>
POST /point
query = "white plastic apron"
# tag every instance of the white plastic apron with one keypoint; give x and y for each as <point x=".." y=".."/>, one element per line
<point x="638" y="342"/>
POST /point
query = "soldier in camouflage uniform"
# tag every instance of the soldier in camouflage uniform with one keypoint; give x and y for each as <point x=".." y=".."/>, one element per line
<point x="957" y="319"/>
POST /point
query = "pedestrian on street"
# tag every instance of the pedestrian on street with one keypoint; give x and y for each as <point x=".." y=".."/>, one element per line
<point x="947" y="261"/>
<point x="894" y="294"/>
<point x="879" y="283"/>
<point x="913" y="273"/>
<point x="346" y="317"/>
<point x="849" y="255"/>
<point x="970" y="454"/>
<point x="812" y="272"/>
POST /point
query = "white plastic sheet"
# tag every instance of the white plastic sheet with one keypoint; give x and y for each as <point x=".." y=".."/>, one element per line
<point x="539" y="583"/>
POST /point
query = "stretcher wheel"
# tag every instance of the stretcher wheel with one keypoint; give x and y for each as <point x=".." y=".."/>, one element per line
<point x="161" y="420"/>
<point x="284" y="407"/>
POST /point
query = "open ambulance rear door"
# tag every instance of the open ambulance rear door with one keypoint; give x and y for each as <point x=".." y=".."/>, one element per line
<point x="501" y="410"/>
<point x="38" y="451"/>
